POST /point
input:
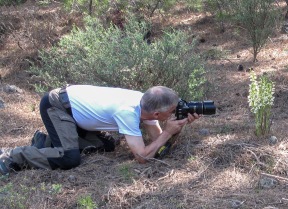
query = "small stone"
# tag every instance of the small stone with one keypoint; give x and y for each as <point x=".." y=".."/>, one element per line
<point x="236" y="203"/>
<point x="2" y="105"/>
<point x="268" y="183"/>
<point x="12" y="89"/>
<point x="137" y="171"/>
<point x="272" y="140"/>
<point x="71" y="178"/>
<point x="204" y="132"/>
<point x="240" y="68"/>
<point x="60" y="176"/>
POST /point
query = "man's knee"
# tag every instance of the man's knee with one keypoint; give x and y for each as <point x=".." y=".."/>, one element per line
<point x="70" y="159"/>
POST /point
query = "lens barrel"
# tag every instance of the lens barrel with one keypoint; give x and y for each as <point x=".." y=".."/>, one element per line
<point x="209" y="108"/>
<point x="199" y="107"/>
<point x="203" y="108"/>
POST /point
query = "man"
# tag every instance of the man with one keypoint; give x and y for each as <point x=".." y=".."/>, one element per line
<point x="70" y="111"/>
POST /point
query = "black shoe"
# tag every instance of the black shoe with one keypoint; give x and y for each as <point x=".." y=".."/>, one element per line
<point x="109" y="143"/>
<point x="39" y="140"/>
<point x="90" y="149"/>
<point x="5" y="165"/>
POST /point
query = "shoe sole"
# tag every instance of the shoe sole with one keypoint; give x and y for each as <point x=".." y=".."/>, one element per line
<point x="3" y="169"/>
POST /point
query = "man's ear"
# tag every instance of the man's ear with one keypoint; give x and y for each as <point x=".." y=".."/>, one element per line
<point x="156" y="115"/>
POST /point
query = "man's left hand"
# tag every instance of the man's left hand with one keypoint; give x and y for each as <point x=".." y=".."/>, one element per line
<point x="192" y="117"/>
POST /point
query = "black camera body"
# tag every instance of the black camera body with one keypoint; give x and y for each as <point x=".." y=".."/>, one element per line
<point x="199" y="107"/>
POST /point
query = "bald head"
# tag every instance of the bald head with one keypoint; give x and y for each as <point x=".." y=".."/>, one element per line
<point x="158" y="99"/>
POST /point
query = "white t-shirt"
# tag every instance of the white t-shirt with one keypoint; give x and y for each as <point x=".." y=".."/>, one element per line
<point x="97" y="108"/>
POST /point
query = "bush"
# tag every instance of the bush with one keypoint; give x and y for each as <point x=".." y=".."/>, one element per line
<point x="105" y="8"/>
<point x="223" y="10"/>
<point x="11" y="2"/>
<point x="261" y="100"/>
<point x="259" y="19"/>
<point x="255" y="20"/>
<point x="112" y="57"/>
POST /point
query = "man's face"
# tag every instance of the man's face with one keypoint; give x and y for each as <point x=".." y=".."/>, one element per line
<point x="162" y="116"/>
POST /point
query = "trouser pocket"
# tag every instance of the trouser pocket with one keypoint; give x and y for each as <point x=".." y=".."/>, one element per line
<point x="65" y="127"/>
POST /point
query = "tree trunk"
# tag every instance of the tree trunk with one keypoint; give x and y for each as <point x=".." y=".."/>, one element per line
<point x="90" y="7"/>
<point x="286" y="16"/>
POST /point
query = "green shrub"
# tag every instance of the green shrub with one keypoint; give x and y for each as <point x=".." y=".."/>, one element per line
<point x="10" y="197"/>
<point x="125" y="172"/>
<point x="261" y="100"/>
<point x="105" y="8"/>
<point x="86" y="202"/>
<point x="86" y="6"/>
<point x="258" y="19"/>
<point x="11" y="2"/>
<point x="112" y="57"/>
<point x="223" y="10"/>
<point x="194" y="5"/>
<point x="254" y="20"/>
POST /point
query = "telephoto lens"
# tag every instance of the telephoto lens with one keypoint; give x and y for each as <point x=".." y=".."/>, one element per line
<point x="199" y="107"/>
<point x="204" y="108"/>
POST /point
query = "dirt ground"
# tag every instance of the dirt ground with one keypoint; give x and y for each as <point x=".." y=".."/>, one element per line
<point x="218" y="161"/>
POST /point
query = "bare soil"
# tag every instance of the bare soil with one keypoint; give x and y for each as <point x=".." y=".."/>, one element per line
<point x="218" y="161"/>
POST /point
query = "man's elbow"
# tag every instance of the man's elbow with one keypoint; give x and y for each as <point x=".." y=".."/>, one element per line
<point x="141" y="158"/>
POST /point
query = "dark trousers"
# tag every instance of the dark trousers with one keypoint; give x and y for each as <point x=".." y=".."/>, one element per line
<point x="71" y="157"/>
<point x="44" y="106"/>
<point x="62" y="130"/>
<point x="66" y="139"/>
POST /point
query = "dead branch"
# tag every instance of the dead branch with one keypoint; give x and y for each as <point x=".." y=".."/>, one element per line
<point x="199" y="174"/>
<point x="168" y="175"/>
<point x="274" y="176"/>
<point x="145" y="170"/>
<point x="257" y="158"/>
<point x="18" y="43"/>
<point x="153" y="159"/>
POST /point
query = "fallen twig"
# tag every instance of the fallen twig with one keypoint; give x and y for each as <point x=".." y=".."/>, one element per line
<point x="90" y="162"/>
<point x="256" y="157"/>
<point x="15" y="129"/>
<point x="198" y="175"/>
<point x="154" y="159"/>
<point x="274" y="176"/>
<point x="168" y="175"/>
<point x="205" y="169"/>
<point x="147" y="169"/>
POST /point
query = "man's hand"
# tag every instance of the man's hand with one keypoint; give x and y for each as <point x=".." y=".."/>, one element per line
<point x="174" y="126"/>
<point x="193" y="117"/>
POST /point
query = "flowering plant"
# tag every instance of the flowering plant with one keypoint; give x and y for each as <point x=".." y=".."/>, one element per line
<point x="261" y="100"/>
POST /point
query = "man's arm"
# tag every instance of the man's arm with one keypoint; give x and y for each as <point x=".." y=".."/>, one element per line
<point x="153" y="131"/>
<point x="140" y="151"/>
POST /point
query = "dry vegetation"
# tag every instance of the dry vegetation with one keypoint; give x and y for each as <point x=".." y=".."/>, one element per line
<point x="218" y="163"/>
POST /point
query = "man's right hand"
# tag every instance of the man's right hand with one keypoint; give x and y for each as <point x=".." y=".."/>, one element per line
<point x="174" y="126"/>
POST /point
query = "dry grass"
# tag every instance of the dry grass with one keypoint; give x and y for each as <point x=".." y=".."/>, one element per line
<point x="219" y="170"/>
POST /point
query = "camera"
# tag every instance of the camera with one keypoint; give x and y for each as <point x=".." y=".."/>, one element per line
<point x="199" y="107"/>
